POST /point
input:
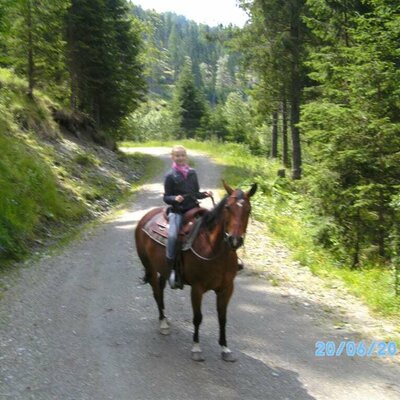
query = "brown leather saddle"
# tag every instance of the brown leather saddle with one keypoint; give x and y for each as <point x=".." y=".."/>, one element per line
<point x="157" y="227"/>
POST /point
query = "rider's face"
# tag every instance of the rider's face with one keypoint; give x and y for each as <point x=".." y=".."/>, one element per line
<point x="179" y="156"/>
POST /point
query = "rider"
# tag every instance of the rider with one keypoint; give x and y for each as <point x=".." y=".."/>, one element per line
<point x="181" y="192"/>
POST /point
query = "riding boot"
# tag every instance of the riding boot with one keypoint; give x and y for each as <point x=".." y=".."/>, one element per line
<point x="175" y="279"/>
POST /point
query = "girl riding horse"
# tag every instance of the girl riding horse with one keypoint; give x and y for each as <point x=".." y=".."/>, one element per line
<point x="181" y="191"/>
<point x="210" y="263"/>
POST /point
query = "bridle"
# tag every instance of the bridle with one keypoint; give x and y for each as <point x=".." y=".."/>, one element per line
<point x="239" y="201"/>
<point x="225" y="234"/>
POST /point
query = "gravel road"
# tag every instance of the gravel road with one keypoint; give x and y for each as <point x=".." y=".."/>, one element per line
<point x="78" y="325"/>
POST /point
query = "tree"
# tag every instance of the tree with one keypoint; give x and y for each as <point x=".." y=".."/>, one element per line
<point x="173" y="38"/>
<point x="5" y="28"/>
<point x="224" y="80"/>
<point x="217" y="124"/>
<point x="103" y="53"/>
<point x="353" y="127"/>
<point x="274" y="44"/>
<point x="157" y="69"/>
<point x="175" y="51"/>
<point x="188" y="103"/>
<point x="36" y="44"/>
<point x="237" y="115"/>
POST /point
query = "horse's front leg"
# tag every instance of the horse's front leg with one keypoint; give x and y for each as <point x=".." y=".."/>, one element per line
<point x="223" y="297"/>
<point x="196" y="295"/>
<point x="158" y="286"/>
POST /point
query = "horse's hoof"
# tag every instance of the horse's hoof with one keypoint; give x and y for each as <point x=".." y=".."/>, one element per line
<point x="164" y="327"/>
<point x="228" y="357"/>
<point x="165" y="331"/>
<point x="197" y="356"/>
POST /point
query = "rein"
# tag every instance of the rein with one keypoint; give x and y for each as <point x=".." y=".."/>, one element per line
<point x="205" y="258"/>
<point x="225" y="237"/>
<point x="213" y="201"/>
<point x="208" y="258"/>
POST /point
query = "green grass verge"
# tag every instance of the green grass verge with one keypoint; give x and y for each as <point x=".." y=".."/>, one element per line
<point x="50" y="185"/>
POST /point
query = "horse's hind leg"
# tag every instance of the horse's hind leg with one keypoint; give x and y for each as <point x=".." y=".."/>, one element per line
<point x="223" y="298"/>
<point x="164" y="325"/>
<point x="158" y="285"/>
<point x="196" y="295"/>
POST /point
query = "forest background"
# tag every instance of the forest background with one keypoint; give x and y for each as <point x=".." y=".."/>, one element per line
<point x="306" y="86"/>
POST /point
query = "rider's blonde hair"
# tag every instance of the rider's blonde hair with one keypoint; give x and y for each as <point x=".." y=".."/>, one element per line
<point x="178" y="147"/>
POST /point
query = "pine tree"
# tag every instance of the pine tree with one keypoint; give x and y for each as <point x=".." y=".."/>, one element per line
<point x="354" y="127"/>
<point x="274" y="44"/>
<point x="237" y="115"/>
<point x="188" y="104"/>
<point x="5" y="28"/>
<point x="104" y="46"/>
<point x="36" y="45"/>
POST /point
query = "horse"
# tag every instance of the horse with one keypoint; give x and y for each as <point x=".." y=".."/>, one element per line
<point x="210" y="264"/>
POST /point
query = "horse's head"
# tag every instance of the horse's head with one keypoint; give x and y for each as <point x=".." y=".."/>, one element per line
<point x="237" y="210"/>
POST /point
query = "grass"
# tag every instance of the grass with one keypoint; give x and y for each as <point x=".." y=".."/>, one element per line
<point x="282" y="206"/>
<point x="150" y="166"/>
<point x="29" y="197"/>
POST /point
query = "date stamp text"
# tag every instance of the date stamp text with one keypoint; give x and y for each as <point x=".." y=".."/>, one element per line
<point x="355" y="349"/>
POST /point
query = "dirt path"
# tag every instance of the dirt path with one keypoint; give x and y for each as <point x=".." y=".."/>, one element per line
<point x="78" y="325"/>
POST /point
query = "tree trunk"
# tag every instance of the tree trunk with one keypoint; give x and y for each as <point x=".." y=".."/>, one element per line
<point x="381" y="224"/>
<point x="31" y="65"/>
<point x="74" y="91"/>
<point x="356" y="251"/>
<point x="285" y="148"/>
<point x="396" y="260"/>
<point x="296" y="153"/>
<point x="274" y="147"/>
<point x="295" y="94"/>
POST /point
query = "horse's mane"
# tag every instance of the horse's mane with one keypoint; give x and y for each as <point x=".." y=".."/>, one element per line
<point x="211" y="218"/>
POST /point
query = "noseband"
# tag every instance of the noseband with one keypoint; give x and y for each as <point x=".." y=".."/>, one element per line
<point x="240" y="199"/>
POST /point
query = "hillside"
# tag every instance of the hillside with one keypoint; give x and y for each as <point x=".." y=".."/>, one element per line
<point x="171" y="39"/>
<point x="53" y="177"/>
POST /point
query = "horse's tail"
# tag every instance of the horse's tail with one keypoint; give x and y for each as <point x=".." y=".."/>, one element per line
<point x="141" y="239"/>
<point x="147" y="274"/>
<point x="139" y="246"/>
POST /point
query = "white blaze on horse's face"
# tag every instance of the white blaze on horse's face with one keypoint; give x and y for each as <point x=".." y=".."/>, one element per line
<point x="240" y="203"/>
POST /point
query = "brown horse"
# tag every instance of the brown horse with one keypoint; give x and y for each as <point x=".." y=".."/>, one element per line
<point x="210" y="264"/>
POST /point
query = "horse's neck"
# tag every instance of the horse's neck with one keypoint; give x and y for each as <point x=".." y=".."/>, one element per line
<point x="212" y="239"/>
<point x="216" y="234"/>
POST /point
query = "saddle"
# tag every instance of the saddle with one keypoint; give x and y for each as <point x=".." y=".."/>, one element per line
<point x="157" y="227"/>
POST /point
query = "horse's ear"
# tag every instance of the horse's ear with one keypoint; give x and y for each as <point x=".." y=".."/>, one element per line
<point x="227" y="187"/>
<point x="252" y="190"/>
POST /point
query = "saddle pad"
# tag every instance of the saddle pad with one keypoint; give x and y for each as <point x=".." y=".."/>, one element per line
<point x="157" y="229"/>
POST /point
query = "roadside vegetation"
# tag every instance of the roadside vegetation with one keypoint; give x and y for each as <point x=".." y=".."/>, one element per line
<point x="51" y="183"/>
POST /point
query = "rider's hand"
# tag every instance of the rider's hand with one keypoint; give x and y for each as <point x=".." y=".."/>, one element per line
<point x="179" y="198"/>
<point x="209" y="193"/>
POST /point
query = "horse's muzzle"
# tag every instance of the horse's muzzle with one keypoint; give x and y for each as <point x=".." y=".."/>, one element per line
<point x="234" y="241"/>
